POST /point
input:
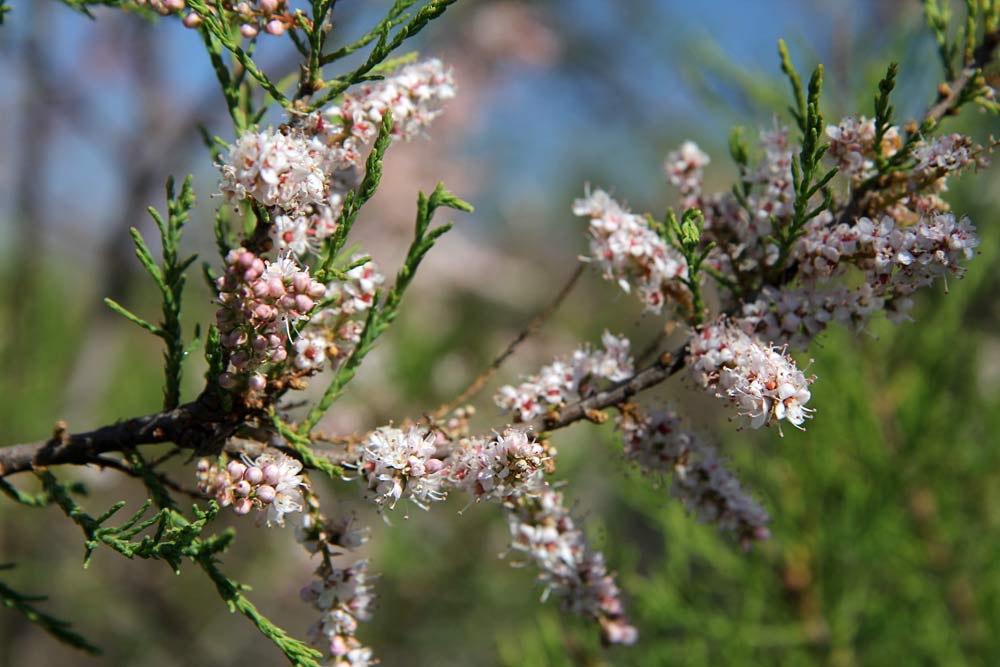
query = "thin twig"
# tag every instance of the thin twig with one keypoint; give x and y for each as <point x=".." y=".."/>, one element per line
<point x="477" y="385"/>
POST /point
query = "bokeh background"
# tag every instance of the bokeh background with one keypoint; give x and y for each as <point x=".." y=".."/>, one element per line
<point x="886" y="511"/>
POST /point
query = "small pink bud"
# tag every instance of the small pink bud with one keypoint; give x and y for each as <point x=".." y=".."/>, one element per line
<point x="265" y="493"/>
<point x="257" y="382"/>
<point x="241" y="359"/>
<point x="433" y="465"/>
<point x="227" y="381"/>
<point x="259" y="343"/>
<point x="316" y="290"/>
<point x="242" y="488"/>
<point x="271" y="474"/>
<point x="243" y="506"/>
<point x="260" y="289"/>
<point x="174" y="5"/>
<point x="254" y="475"/>
<point x="246" y="259"/>
<point x="263" y="312"/>
<point x="279" y="355"/>
<point x="192" y="20"/>
<point x="275" y="27"/>
<point x="248" y="31"/>
<point x="303" y="304"/>
<point x="274" y="341"/>
<point x="287" y="302"/>
<point x="276" y="288"/>
<point x="301" y="282"/>
<point x="203" y="465"/>
<point x="268" y="6"/>
<point x="236" y="469"/>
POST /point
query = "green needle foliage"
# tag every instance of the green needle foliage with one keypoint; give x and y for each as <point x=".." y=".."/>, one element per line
<point x="59" y="629"/>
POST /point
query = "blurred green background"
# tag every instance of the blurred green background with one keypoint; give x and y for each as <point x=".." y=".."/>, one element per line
<point x="886" y="512"/>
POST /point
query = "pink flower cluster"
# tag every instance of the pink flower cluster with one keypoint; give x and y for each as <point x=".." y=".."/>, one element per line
<point x="414" y="94"/>
<point x="270" y="482"/>
<point x="658" y="443"/>
<point x="303" y="170"/>
<point x="564" y="381"/>
<point x="343" y="595"/>
<point x="401" y="464"/>
<point x="542" y="529"/>
<point x="500" y="469"/>
<point x="630" y="252"/>
<point x="763" y="384"/>
<point x="260" y="301"/>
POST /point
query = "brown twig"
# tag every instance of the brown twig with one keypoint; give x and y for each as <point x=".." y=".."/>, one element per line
<point x="476" y="386"/>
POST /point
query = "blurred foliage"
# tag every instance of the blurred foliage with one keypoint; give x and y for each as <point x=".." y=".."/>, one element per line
<point x="886" y="511"/>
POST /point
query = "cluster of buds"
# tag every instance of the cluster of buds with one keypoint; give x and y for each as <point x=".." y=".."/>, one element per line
<point x="343" y="595"/>
<point x="272" y="16"/>
<point x="401" y="464"/>
<point x="260" y="301"/>
<point x="564" y="381"/>
<point x="659" y="444"/>
<point x="499" y="469"/>
<point x="763" y="383"/>
<point x="630" y="252"/>
<point x="271" y="482"/>
<point x="541" y="528"/>
<point x="413" y="94"/>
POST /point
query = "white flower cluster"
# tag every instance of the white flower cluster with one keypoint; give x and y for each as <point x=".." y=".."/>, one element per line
<point x="631" y="252"/>
<point x="896" y="259"/>
<point x="775" y="194"/>
<point x="402" y="464"/>
<point x="764" y="384"/>
<point x="685" y="169"/>
<point x="564" y="381"/>
<point x="542" y="528"/>
<point x="796" y="315"/>
<point x="270" y="482"/>
<point x="343" y="596"/>
<point x="947" y="153"/>
<point x="331" y="332"/>
<point x="500" y="469"/>
<point x="852" y="146"/>
<point x="281" y="168"/>
<point x="303" y="170"/>
<point x="414" y="94"/>
<point x="658" y="443"/>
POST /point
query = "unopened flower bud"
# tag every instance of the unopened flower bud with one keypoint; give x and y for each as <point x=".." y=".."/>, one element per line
<point x="275" y="27"/>
<point x="235" y="469"/>
<point x="243" y="506"/>
<point x="303" y="303"/>
<point x="227" y="381"/>
<point x="265" y="493"/>
<point x="254" y="475"/>
<point x="242" y="488"/>
<point x="257" y="382"/>
<point x="271" y="474"/>
<point x="192" y="20"/>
